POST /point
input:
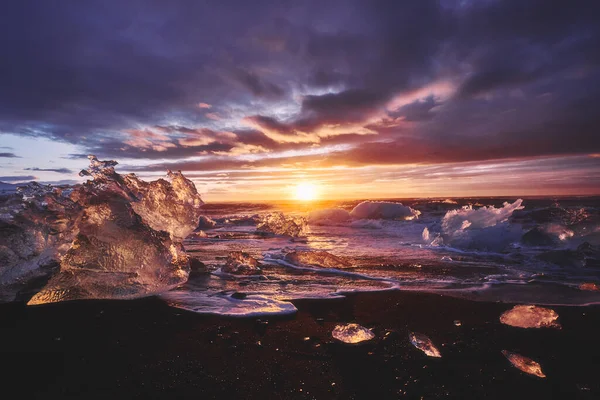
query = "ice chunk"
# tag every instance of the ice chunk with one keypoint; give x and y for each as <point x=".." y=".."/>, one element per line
<point x="329" y="216"/>
<point x="590" y="286"/>
<point x="318" y="258"/>
<point x="206" y="303"/>
<point x="529" y="316"/>
<point x="383" y="210"/>
<point x="352" y="333"/>
<point x="115" y="236"/>
<point x="241" y="263"/>
<point x="206" y="223"/>
<point x="424" y="344"/>
<point x="279" y="224"/>
<point x="485" y="228"/>
<point x="523" y="363"/>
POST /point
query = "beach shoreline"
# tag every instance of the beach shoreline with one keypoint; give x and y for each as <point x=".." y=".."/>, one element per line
<point x="146" y="349"/>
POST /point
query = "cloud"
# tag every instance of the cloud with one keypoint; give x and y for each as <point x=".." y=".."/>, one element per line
<point x="388" y="82"/>
<point x="57" y="170"/>
<point x="18" y="178"/>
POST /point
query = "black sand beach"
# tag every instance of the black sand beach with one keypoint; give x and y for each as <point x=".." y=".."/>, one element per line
<point x="145" y="349"/>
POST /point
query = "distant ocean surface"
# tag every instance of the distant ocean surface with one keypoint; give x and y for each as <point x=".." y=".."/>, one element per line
<point x="531" y="250"/>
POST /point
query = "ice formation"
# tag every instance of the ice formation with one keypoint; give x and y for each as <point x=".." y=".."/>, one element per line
<point x="209" y="303"/>
<point x="485" y="228"/>
<point x="279" y="224"/>
<point x="528" y="316"/>
<point x="352" y="333"/>
<point x="424" y="344"/>
<point x="241" y="263"/>
<point x="114" y="236"/>
<point x="523" y="363"/>
<point x="318" y="258"/>
<point x="383" y="210"/>
<point x="328" y="216"/>
<point x="206" y="223"/>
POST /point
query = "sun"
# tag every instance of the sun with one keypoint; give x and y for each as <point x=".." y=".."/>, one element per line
<point x="305" y="191"/>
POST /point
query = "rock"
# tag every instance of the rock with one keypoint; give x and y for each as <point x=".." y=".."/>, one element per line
<point x="205" y="223"/>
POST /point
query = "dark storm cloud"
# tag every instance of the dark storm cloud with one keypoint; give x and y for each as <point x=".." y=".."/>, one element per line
<point x="125" y="79"/>
<point x="57" y="170"/>
<point x="8" y="155"/>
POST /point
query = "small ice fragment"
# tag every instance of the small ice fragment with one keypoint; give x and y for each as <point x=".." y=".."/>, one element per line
<point x="457" y="322"/>
<point x="590" y="286"/>
<point x="424" y="344"/>
<point x="446" y="258"/>
<point x="529" y="316"/>
<point x="306" y="339"/>
<point x="352" y="333"/>
<point x="205" y="222"/>
<point x="279" y="224"/>
<point x="318" y="258"/>
<point x="523" y="363"/>
<point x="241" y="263"/>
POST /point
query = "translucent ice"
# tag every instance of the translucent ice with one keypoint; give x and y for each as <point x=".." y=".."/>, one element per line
<point x="279" y="224"/>
<point x="528" y="316"/>
<point x="114" y="236"/>
<point x="206" y="303"/>
<point x="424" y="344"/>
<point x="328" y="216"/>
<point x="352" y="333"/>
<point x="206" y="223"/>
<point x="383" y="210"/>
<point x="485" y="228"/>
<point x="318" y="258"/>
<point x="241" y="263"/>
<point x="523" y="363"/>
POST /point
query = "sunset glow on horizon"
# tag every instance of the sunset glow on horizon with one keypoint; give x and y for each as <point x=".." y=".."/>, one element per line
<point x="392" y="100"/>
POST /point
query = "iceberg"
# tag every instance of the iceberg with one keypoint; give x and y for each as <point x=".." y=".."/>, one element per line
<point x="328" y="216"/>
<point x="112" y="237"/>
<point x="424" y="344"/>
<point x="528" y="316"/>
<point x="383" y="210"/>
<point x="352" y="333"/>
<point x="525" y="364"/>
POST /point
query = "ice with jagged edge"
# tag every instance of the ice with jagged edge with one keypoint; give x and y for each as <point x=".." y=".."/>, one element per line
<point x="352" y="333"/>
<point x="280" y="224"/>
<point x="112" y="237"/>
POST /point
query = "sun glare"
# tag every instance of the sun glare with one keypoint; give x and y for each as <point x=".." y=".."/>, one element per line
<point x="306" y="191"/>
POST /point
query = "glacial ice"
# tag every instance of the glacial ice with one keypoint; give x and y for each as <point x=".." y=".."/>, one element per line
<point x="529" y="316"/>
<point x="523" y="363"/>
<point x="279" y="224"/>
<point x="424" y="344"/>
<point x="317" y="258"/>
<point x="485" y="228"/>
<point x="383" y="210"/>
<point x="205" y="223"/>
<point x="241" y="263"/>
<point x="220" y="304"/>
<point x="352" y="333"/>
<point x="114" y="236"/>
<point x="328" y="216"/>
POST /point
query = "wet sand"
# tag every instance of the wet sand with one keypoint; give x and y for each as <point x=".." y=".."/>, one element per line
<point x="145" y="349"/>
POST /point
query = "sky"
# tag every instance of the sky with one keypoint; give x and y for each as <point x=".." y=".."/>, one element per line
<point x="360" y="98"/>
